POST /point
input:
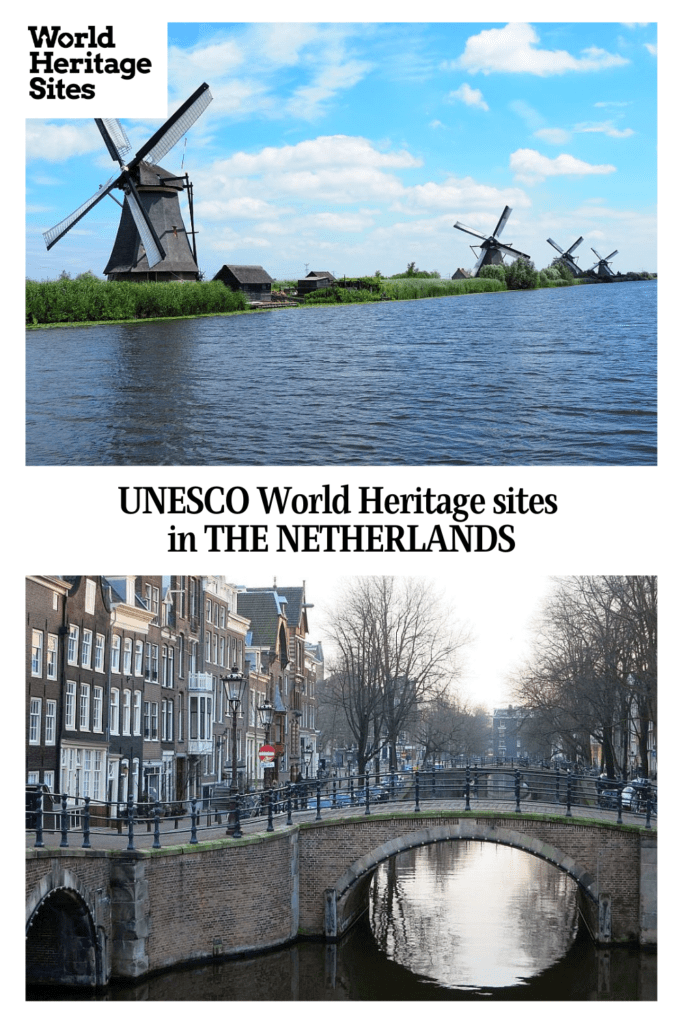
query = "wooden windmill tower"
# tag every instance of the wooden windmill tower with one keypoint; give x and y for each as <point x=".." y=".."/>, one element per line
<point x="152" y="241"/>
<point x="566" y="257"/>
<point x="492" y="249"/>
<point x="602" y="267"/>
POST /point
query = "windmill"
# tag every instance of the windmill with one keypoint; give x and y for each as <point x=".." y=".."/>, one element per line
<point x="604" y="269"/>
<point x="566" y="256"/>
<point x="492" y="249"/>
<point x="151" y="242"/>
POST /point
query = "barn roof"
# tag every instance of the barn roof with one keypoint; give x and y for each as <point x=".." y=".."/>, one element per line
<point x="249" y="274"/>
<point x="320" y="273"/>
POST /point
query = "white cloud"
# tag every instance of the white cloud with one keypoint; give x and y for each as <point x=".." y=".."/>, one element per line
<point x="436" y="124"/>
<point x="528" y="114"/>
<point x="531" y="166"/>
<point x="46" y="140"/>
<point x="651" y="48"/>
<point x="514" y="49"/>
<point x="605" y="128"/>
<point x="471" y="97"/>
<point x="554" y="136"/>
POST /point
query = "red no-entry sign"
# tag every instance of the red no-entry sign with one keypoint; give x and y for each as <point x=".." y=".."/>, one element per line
<point x="266" y="753"/>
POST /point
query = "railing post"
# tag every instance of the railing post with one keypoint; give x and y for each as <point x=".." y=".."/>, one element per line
<point x="467" y="788"/>
<point x="568" y="813"/>
<point x="39" y="819"/>
<point x="352" y="797"/>
<point x="518" y="809"/>
<point x="417" y="792"/>
<point x="318" y="815"/>
<point x="334" y="792"/>
<point x="64" y="823"/>
<point x="620" y="820"/>
<point x="86" y="824"/>
<point x="433" y="782"/>
<point x="289" y="803"/>
<point x="648" y="805"/>
<point x="367" y="793"/>
<point x="392" y="785"/>
<point x="237" y="834"/>
<point x="156" y="845"/>
<point x="131" y="823"/>
<point x="270" y="827"/>
<point x="193" y="820"/>
<point x="557" y="785"/>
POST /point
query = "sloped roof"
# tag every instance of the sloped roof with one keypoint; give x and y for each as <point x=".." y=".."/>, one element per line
<point x="320" y="273"/>
<point x="246" y="274"/>
<point x="263" y="611"/>
<point x="295" y="603"/>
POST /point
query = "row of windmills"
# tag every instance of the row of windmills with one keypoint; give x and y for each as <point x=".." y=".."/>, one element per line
<point x="152" y="241"/>
<point x="492" y="250"/>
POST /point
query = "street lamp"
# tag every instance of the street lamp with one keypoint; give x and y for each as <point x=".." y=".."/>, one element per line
<point x="267" y="713"/>
<point x="234" y="684"/>
<point x="308" y="757"/>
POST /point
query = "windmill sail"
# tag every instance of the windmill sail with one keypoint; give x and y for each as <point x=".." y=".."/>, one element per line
<point x="117" y="135"/>
<point x="59" y="230"/>
<point x="492" y="249"/>
<point x="153" y="249"/>
<point x="502" y="222"/>
<point x="177" y="125"/>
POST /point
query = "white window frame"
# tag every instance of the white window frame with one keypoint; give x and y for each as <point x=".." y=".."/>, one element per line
<point x="51" y="656"/>
<point x="72" y="649"/>
<point x="99" y="652"/>
<point x="115" y="658"/>
<point x="37" y="652"/>
<point x="84" y="708"/>
<point x="126" y="717"/>
<point x="90" y="588"/>
<point x="137" y="712"/>
<point x="86" y="648"/>
<point x="97" y="707"/>
<point x="114" y="709"/>
<point x="50" y="722"/>
<point x="70" y="705"/>
<point x="34" y="720"/>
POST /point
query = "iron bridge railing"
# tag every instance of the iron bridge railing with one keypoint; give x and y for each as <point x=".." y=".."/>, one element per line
<point x="80" y="819"/>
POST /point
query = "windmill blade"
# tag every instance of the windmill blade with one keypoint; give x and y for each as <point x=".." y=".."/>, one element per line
<point x="156" y="148"/>
<point x="154" y="250"/>
<point x="503" y="221"/>
<point x="555" y="246"/>
<point x="594" y="265"/>
<point x="596" y="253"/>
<point x="115" y="138"/>
<point x="511" y="251"/>
<point x="576" y="244"/>
<point x="461" y="227"/>
<point x="479" y="262"/>
<point x="612" y="254"/>
<point x="59" y="230"/>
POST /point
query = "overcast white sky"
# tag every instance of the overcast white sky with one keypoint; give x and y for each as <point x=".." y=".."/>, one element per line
<point x="498" y="609"/>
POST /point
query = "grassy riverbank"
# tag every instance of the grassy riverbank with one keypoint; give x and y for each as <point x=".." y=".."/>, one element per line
<point x="92" y="300"/>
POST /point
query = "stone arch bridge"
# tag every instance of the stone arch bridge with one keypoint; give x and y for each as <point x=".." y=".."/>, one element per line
<point x="93" y="915"/>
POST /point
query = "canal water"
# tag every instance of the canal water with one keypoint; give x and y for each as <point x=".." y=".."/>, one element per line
<point x="452" y="921"/>
<point x="562" y="376"/>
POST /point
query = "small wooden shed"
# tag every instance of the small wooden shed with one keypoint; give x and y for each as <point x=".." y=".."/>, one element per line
<point x="460" y="274"/>
<point x="254" y="281"/>
<point x="316" y="279"/>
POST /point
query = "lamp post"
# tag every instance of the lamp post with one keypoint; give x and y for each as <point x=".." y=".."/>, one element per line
<point x="308" y="756"/>
<point x="267" y="712"/>
<point x="234" y="684"/>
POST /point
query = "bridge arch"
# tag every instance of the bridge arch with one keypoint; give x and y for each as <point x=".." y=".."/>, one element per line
<point x="347" y="899"/>
<point x="64" y="946"/>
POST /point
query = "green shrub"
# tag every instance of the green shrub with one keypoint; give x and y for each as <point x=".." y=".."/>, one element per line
<point x="521" y="274"/>
<point x="493" y="271"/>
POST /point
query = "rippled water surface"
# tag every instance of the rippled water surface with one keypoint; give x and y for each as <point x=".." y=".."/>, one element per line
<point x="563" y="376"/>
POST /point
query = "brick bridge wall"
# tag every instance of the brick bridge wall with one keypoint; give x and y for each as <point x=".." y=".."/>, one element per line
<point x="155" y="909"/>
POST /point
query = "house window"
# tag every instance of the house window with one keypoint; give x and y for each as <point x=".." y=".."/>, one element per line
<point x="116" y="653"/>
<point x="152" y="602"/>
<point x="52" y="642"/>
<point x="87" y="648"/>
<point x="37" y="652"/>
<point x="181" y="656"/>
<point x="146" y="720"/>
<point x="34" y="721"/>
<point x="167" y="719"/>
<point x="49" y="780"/>
<point x="164" y="665"/>
<point x="97" y="775"/>
<point x="139" y="646"/>
<point x="222" y="648"/>
<point x="97" y="704"/>
<point x="50" y="722"/>
<point x="222" y="616"/>
<point x="127" y="656"/>
<point x="126" y="712"/>
<point x="114" y="712"/>
<point x="207" y="648"/>
<point x="90" y="597"/>
<point x="155" y="663"/>
<point x="200" y="717"/>
<point x="99" y="653"/>
<point x="154" y="720"/>
<point x="84" y="708"/>
<point x="215" y="648"/>
<point x="171" y="661"/>
<point x="70" y="706"/>
<point x="72" y="650"/>
<point x="208" y="610"/>
<point x="137" y="708"/>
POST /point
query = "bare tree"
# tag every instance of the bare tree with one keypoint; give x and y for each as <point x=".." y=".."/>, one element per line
<point x="396" y="650"/>
<point x="595" y="665"/>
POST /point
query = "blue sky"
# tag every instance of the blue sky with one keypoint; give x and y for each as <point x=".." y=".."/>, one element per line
<point x="355" y="148"/>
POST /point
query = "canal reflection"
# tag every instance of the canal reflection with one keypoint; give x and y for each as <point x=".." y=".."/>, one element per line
<point x="452" y="921"/>
<point x="473" y="915"/>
